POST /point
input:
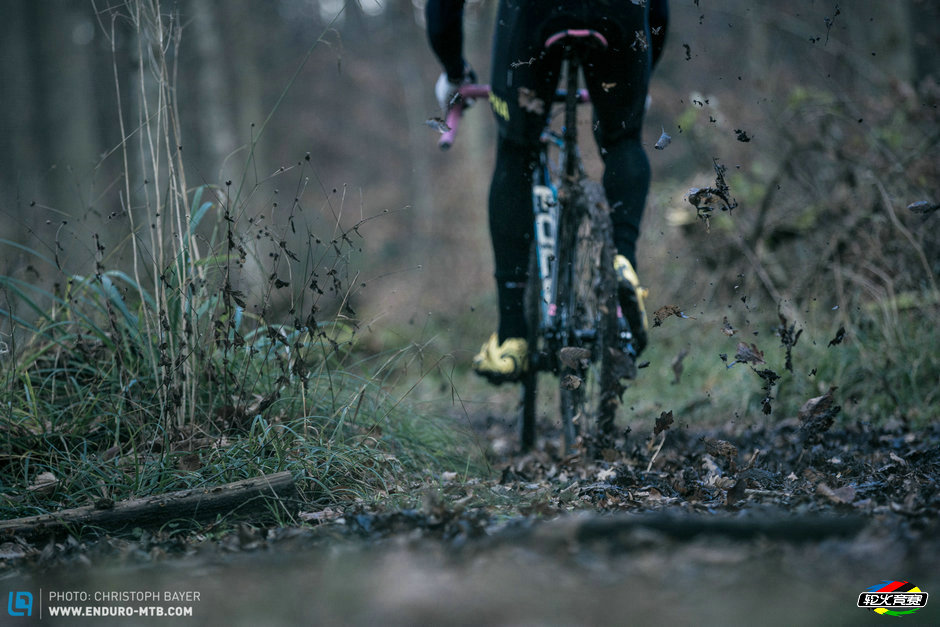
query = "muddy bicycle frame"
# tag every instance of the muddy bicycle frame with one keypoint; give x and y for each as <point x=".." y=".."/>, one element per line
<point x="553" y="195"/>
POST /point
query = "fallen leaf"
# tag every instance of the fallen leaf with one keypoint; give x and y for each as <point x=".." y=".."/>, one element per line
<point x="720" y="448"/>
<point x="639" y="41"/>
<point x="189" y="462"/>
<point x="10" y="551"/>
<point x="770" y="379"/>
<point x="571" y="382"/>
<point x="816" y="406"/>
<point x="789" y="336"/>
<point x="737" y="493"/>
<point x="44" y="483"/>
<point x="663" y="423"/>
<point x="707" y="199"/>
<point x="817" y="415"/>
<point x="924" y="207"/>
<point x="665" y="311"/>
<point x="840" y="335"/>
<point x="606" y="474"/>
<point x="323" y="515"/>
<point x="726" y="327"/>
<point x="575" y="357"/>
<point x="663" y="141"/>
<point x="724" y="483"/>
<point x="845" y="494"/>
<point x="748" y="354"/>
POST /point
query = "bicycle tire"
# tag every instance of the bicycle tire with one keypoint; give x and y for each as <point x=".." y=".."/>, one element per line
<point x="532" y="309"/>
<point x="588" y="357"/>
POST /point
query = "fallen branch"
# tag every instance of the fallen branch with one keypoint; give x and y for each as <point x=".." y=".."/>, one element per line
<point x="261" y="498"/>
<point x="658" y="449"/>
<point x="618" y="529"/>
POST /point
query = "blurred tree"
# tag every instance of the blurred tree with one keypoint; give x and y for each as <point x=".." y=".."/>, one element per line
<point x="360" y="102"/>
<point x="215" y="122"/>
<point x="19" y="145"/>
<point x="925" y="21"/>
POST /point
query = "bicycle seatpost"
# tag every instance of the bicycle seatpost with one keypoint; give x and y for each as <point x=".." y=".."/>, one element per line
<point x="573" y="41"/>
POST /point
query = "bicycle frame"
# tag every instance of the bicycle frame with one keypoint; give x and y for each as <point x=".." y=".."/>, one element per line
<point x="559" y="315"/>
<point x="544" y="191"/>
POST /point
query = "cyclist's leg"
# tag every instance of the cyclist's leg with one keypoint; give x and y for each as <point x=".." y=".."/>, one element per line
<point x="510" y="219"/>
<point x="522" y="78"/>
<point x="618" y="79"/>
<point x="626" y="183"/>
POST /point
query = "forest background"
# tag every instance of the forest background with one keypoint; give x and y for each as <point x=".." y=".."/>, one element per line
<point x="314" y="112"/>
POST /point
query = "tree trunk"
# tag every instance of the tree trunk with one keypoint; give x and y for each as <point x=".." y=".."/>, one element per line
<point x="925" y="27"/>
<point x="215" y="113"/>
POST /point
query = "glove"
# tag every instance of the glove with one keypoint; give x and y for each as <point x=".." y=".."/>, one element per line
<point x="446" y="89"/>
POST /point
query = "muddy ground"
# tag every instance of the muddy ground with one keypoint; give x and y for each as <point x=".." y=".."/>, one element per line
<point x="778" y="526"/>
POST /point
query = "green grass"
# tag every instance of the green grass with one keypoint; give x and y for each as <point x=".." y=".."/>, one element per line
<point x="886" y="368"/>
<point x="340" y="429"/>
<point x="881" y="372"/>
<point x="195" y="347"/>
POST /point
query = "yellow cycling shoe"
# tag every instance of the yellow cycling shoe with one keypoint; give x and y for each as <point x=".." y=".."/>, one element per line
<point x="631" y="296"/>
<point x="504" y="362"/>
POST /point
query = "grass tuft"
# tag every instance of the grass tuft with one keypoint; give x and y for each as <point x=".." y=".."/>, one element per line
<point x="200" y="348"/>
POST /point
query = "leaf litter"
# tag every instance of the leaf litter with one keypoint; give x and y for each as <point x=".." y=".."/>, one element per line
<point x="796" y="479"/>
<point x="727" y="503"/>
<point x="666" y="311"/>
<point x="923" y="207"/>
<point x="664" y="140"/>
<point x="707" y="199"/>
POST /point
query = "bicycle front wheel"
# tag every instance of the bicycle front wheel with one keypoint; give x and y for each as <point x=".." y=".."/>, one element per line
<point x="590" y="360"/>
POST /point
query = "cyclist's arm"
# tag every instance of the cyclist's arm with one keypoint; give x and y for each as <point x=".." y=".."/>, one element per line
<point x="445" y="33"/>
<point x="659" y="24"/>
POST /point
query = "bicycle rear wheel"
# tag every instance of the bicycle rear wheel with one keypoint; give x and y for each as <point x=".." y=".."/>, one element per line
<point x="590" y="359"/>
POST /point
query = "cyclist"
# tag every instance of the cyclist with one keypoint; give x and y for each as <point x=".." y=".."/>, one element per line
<point x="524" y="77"/>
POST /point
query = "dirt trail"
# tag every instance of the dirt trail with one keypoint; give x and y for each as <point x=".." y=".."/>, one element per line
<point x="689" y="533"/>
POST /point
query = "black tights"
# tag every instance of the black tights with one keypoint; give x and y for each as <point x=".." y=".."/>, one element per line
<point x="617" y="77"/>
<point x="626" y="183"/>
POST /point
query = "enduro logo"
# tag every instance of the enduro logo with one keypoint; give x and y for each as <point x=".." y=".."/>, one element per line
<point x="20" y="604"/>
<point x="893" y="598"/>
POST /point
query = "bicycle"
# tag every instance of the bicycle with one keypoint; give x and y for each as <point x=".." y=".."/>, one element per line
<point x="576" y="328"/>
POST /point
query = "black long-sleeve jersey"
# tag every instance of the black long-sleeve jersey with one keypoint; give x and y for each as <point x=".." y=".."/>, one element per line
<point x="445" y="32"/>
